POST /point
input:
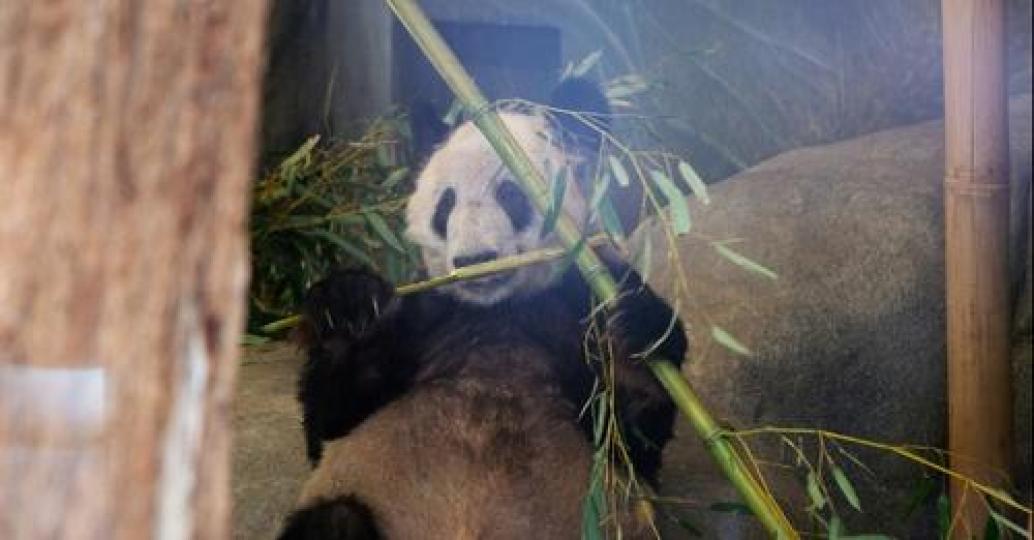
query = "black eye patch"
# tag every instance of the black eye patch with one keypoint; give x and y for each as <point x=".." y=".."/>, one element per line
<point x="515" y="204"/>
<point x="440" y="220"/>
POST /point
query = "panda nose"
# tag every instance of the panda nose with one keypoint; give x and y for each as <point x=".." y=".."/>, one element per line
<point x="467" y="260"/>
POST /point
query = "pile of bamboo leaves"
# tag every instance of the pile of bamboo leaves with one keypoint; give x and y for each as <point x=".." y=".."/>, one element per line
<point x="326" y="206"/>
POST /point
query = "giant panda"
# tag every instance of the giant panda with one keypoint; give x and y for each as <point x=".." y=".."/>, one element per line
<point x="461" y="412"/>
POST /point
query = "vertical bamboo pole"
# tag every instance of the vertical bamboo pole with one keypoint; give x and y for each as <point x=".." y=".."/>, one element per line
<point x="976" y="202"/>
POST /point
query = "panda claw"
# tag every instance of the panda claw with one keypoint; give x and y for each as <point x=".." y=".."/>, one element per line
<point x="345" y="304"/>
<point x="642" y="325"/>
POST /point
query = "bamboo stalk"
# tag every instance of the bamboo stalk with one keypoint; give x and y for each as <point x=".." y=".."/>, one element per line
<point x="475" y="271"/>
<point x="976" y="205"/>
<point x="510" y="151"/>
<point x="465" y="273"/>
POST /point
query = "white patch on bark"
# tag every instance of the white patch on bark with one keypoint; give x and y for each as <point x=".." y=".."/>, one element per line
<point x="182" y="441"/>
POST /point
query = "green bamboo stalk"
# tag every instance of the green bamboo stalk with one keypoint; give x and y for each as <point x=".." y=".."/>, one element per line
<point x="465" y="273"/>
<point x="479" y="270"/>
<point x="280" y="325"/>
<point x="602" y="283"/>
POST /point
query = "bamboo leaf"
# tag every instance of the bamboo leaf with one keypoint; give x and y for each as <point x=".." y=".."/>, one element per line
<point x="626" y="86"/>
<point x="392" y="267"/>
<point x="943" y="515"/>
<point x="818" y="500"/>
<point x="617" y="103"/>
<point x="611" y="222"/>
<point x="689" y="527"/>
<point x="1007" y="523"/>
<point x="587" y="63"/>
<point x="992" y="530"/>
<point x="452" y="116"/>
<point x="568" y="68"/>
<point x="591" y="515"/>
<point x="732" y="508"/>
<point x="621" y="92"/>
<point x="729" y="342"/>
<point x="846" y="488"/>
<point x="569" y="259"/>
<point x="743" y="261"/>
<point x="921" y="492"/>
<point x="395" y="177"/>
<point x="383" y="156"/>
<point x="252" y="339"/>
<point x="695" y="183"/>
<point x="836" y="528"/>
<point x="346" y="219"/>
<point x="380" y="227"/>
<point x="595" y="504"/>
<point x="620" y="174"/>
<point x="345" y="245"/>
<point x="556" y="201"/>
<point x="301" y="154"/>
<point x="867" y="537"/>
<point x="856" y="461"/>
<point x="599" y="191"/>
<point x="599" y="418"/>
<point x="642" y="261"/>
<point x="676" y="201"/>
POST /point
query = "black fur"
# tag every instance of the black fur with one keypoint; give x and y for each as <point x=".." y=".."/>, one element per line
<point x="344" y="518"/>
<point x="584" y="96"/>
<point x="347" y="375"/>
<point x="515" y="203"/>
<point x="350" y="375"/>
<point x="498" y="373"/>
<point x="440" y="220"/>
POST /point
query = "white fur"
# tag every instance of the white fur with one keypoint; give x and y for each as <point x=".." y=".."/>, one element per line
<point x="467" y="164"/>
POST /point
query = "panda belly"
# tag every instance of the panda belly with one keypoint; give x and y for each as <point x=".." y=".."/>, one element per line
<point x="468" y="456"/>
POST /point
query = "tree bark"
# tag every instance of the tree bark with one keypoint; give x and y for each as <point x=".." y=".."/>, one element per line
<point x="126" y="147"/>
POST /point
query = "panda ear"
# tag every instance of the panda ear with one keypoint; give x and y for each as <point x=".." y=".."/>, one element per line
<point x="427" y="127"/>
<point x="581" y="95"/>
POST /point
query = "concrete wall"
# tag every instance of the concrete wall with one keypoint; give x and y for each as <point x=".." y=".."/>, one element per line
<point x="732" y="82"/>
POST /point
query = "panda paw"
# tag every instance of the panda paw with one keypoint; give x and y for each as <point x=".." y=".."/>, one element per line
<point x="643" y="325"/>
<point x="344" y="305"/>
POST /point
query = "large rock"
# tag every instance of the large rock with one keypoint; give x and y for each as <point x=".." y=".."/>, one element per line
<point x="851" y="336"/>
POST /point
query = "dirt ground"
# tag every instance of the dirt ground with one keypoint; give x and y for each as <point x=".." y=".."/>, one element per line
<point x="268" y="453"/>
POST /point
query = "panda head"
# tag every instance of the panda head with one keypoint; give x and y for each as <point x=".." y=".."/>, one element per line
<point x="468" y="208"/>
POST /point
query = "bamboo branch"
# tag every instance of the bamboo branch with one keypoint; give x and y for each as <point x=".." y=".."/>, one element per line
<point x="900" y="450"/>
<point x="480" y="270"/>
<point x="474" y="271"/>
<point x="510" y="151"/>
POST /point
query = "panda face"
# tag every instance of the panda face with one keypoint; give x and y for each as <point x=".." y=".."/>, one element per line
<point x="468" y="209"/>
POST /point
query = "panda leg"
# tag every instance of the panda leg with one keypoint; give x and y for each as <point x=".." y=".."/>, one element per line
<point x="644" y="323"/>
<point x="343" y="518"/>
<point x="350" y="328"/>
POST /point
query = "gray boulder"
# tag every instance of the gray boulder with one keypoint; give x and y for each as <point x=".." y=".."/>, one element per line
<point x="851" y="336"/>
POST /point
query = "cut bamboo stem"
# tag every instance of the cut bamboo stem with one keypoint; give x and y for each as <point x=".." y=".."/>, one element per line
<point x="976" y="231"/>
<point x="510" y="151"/>
<point x="465" y="273"/>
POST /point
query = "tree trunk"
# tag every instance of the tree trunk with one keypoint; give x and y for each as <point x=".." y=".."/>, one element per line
<point x="126" y="148"/>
